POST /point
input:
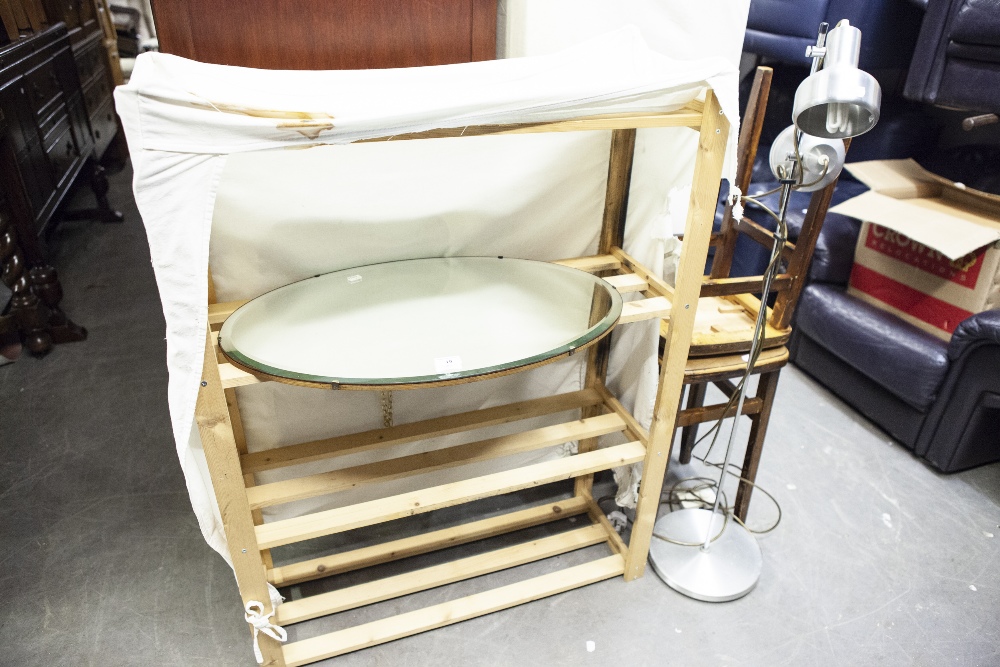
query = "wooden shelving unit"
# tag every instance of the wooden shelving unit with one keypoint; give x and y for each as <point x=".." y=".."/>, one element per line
<point x="240" y="497"/>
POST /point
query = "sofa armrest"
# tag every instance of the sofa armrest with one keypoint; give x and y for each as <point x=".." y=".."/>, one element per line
<point x="980" y="329"/>
<point x="833" y="257"/>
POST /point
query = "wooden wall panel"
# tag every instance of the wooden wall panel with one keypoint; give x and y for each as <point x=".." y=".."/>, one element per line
<point x="327" y="34"/>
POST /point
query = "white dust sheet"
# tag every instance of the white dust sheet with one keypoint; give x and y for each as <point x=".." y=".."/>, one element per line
<point x="215" y="179"/>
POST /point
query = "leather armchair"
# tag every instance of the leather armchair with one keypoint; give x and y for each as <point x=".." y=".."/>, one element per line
<point x="957" y="59"/>
<point x="939" y="399"/>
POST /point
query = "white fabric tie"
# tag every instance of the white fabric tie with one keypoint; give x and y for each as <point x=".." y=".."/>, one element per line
<point x="736" y="197"/>
<point x="261" y="623"/>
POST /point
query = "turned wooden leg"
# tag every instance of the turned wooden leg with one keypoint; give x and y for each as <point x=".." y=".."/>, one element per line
<point x="758" y="430"/>
<point x="45" y="284"/>
<point x="689" y="434"/>
<point x="99" y="184"/>
<point x="34" y="303"/>
<point x="29" y="313"/>
<point x="103" y="211"/>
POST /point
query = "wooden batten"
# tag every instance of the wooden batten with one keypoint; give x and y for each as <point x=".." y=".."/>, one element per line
<point x="385" y="630"/>
<point x="628" y="282"/>
<point x="592" y="264"/>
<point x="300" y="488"/>
<point x="326" y="566"/>
<point x="427" y="578"/>
<point x="657" y="307"/>
<point x="656" y="284"/>
<point x="342" y="519"/>
<point x="317" y="450"/>
<point x="616" y="122"/>
<point x="712" y="140"/>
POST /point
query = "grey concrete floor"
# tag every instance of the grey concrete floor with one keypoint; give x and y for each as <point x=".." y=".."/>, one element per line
<point x="878" y="559"/>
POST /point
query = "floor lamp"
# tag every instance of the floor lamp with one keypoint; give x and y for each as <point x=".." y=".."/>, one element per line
<point x="700" y="552"/>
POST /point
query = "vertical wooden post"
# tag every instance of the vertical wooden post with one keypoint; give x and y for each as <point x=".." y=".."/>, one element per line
<point x="612" y="235"/>
<point x="221" y="454"/>
<point x="249" y="479"/>
<point x="689" y="434"/>
<point x="753" y="122"/>
<point x="697" y="233"/>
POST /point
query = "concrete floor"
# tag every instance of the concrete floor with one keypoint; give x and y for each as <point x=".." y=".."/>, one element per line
<point x="878" y="560"/>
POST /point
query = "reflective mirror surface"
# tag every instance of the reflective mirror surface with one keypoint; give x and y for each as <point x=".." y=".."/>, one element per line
<point x="420" y="321"/>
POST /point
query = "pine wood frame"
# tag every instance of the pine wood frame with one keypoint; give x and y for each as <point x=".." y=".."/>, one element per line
<point x="239" y="498"/>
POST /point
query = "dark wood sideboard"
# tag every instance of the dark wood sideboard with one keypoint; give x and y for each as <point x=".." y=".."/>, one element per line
<point x="57" y="121"/>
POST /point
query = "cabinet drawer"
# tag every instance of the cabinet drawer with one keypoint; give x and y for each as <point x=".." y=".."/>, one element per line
<point x="43" y="88"/>
<point x="105" y="125"/>
<point x="88" y="61"/>
<point x="36" y="175"/>
<point x="64" y="155"/>
<point x="50" y="128"/>
<point x="96" y="92"/>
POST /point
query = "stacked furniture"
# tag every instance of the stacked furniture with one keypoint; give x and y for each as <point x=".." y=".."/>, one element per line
<point x="57" y="121"/>
<point x="239" y="495"/>
<point x="730" y="303"/>
<point x="939" y="399"/>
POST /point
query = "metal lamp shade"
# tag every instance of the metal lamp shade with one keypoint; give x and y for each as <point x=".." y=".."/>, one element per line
<point x="839" y="101"/>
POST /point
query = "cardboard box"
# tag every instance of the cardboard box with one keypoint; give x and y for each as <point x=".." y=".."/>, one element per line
<point x="929" y="249"/>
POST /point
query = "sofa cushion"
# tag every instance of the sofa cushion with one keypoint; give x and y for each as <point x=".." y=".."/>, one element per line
<point x="977" y="22"/>
<point x="907" y="362"/>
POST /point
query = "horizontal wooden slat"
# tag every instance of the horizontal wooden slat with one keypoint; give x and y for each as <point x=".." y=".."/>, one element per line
<point x="287" y="531"/>
<point x="429" y="428"/>
<point x="644" y="309"/>
<point x="326" y="566"/>
<point x="763" y="236"/>
<point x="592" y="264"/>
<point x="656" y="283"/>
<point x="427" y="578"/>
<point x="219" y="312"/>
<point x="233" y="377"/>
<point x="680" y="118"/>
<point x="300" y="488"/>
<point x="710" y="413"/>
<point x="385" y="630"/>
<point x="746" y="285"/>
<point x="628" y="282"/>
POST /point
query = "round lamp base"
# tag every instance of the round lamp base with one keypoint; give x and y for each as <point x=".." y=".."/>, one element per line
<point x="727" y="570"/>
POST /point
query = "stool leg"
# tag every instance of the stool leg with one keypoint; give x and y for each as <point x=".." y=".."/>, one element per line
<point x="758" y="430"/>
<point x="689" y="434"/>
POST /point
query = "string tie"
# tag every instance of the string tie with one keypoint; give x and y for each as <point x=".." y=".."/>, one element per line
<point x="255" y="616"/>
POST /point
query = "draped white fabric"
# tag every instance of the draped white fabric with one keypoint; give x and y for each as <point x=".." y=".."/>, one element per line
<point x="212" y="178"/>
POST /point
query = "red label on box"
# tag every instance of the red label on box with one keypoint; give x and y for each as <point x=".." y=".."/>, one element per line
<point x="963" y="271"/>
<point x="915" y="303"/>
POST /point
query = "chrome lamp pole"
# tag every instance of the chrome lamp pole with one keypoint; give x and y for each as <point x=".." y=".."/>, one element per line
<point x="700" y="552"/>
